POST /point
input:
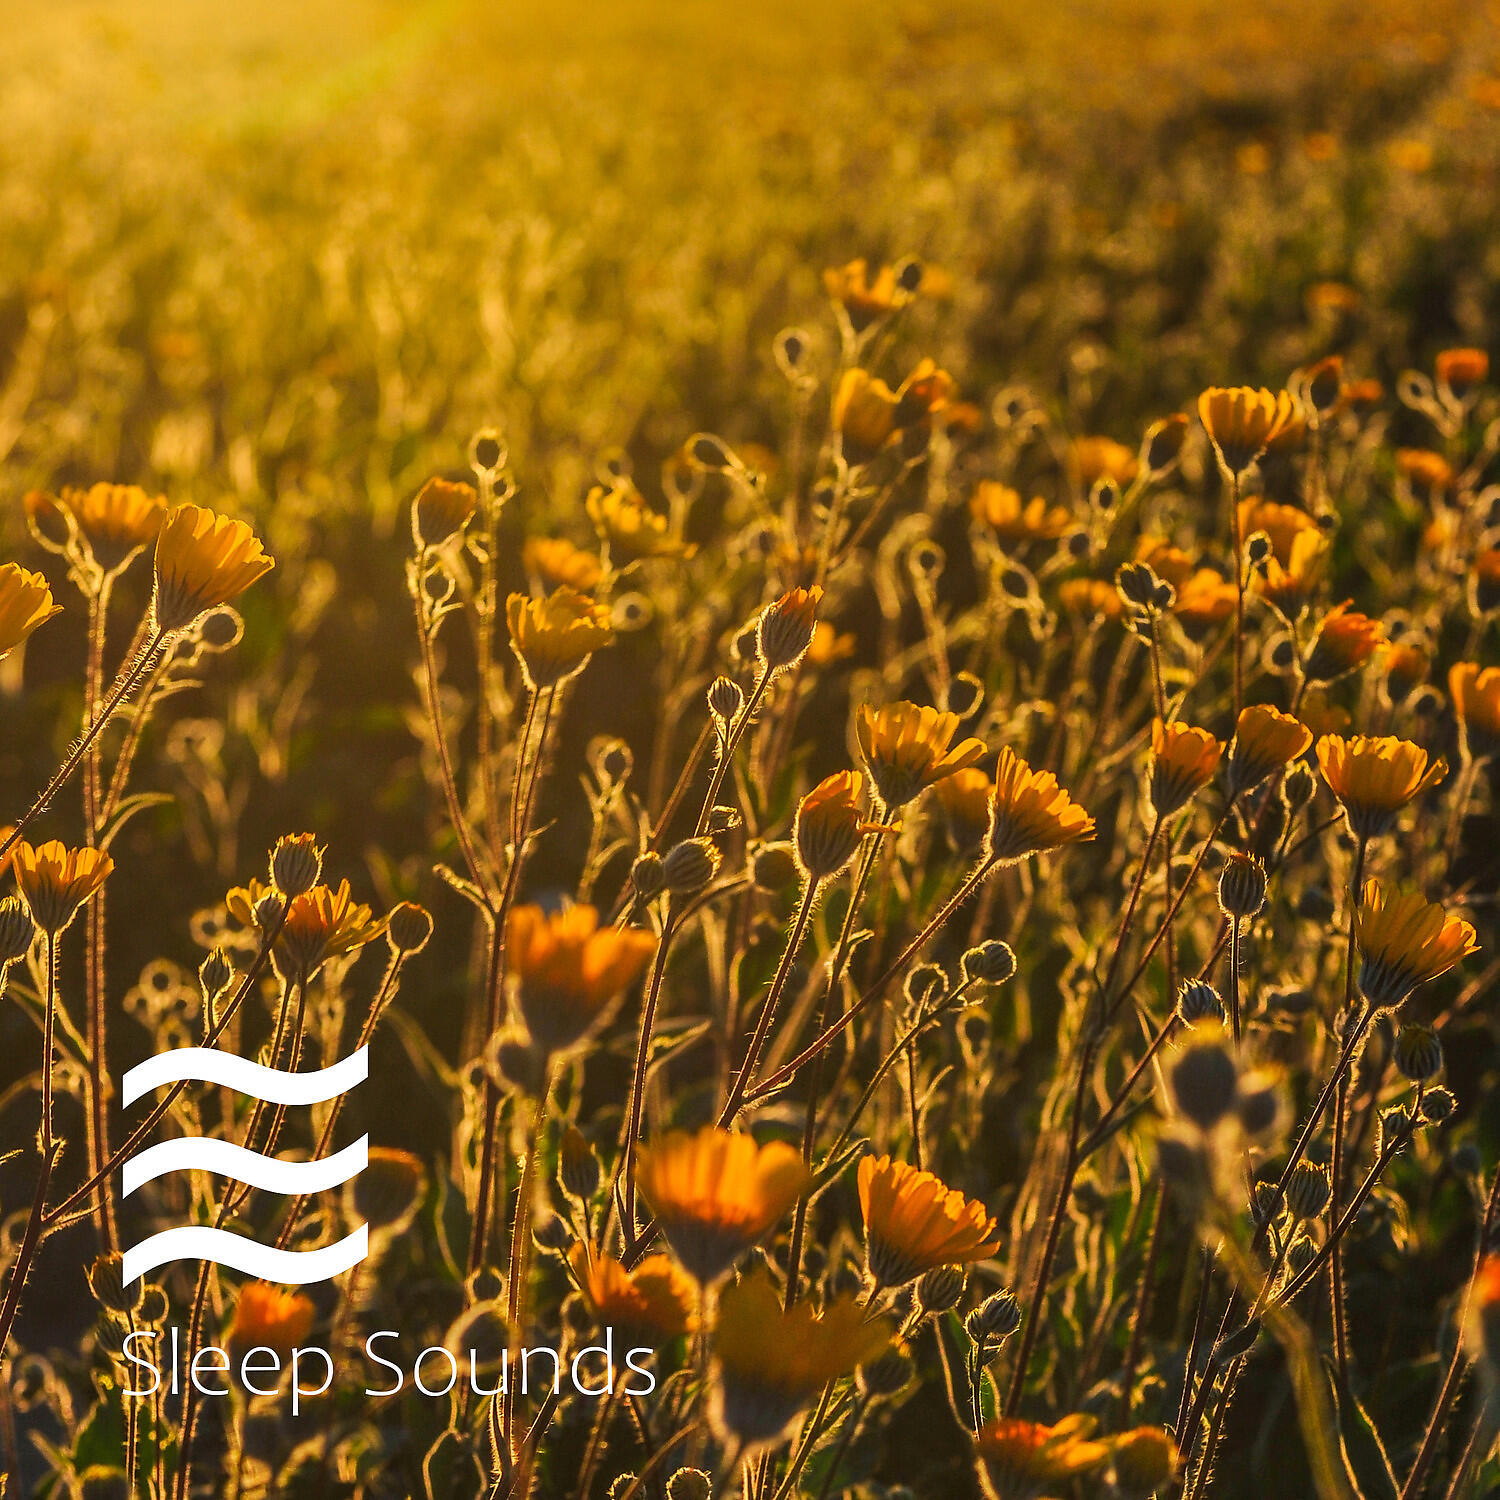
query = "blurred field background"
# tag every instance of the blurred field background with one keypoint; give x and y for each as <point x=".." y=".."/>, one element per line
<point x="285" y="259"/>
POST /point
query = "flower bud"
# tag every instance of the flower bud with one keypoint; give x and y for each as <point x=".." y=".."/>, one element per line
<point x="612" y="759"/>
<point x="1301" y="1254"/>
<point x="1137" y="583"/>
<point x="786" y="628"/>
<point x="1204" y="1082"/>
<point x="214" y="974"/>
<point x="1418" y="1054"/>
<point x="553" y="1233"/>
<point x="1307" y="1191"/>
<point x="941" y="1288"/>
<point x="725" y="699"/>
<point x="1438" y="1105"/>
<point x="829" y="824"/>
<point x="1259" y="1104"/>
<point x="1394" y="1122"/>
<point x="724" y="819"/>
<point x="106" y="1281"/>
<point x="689" y="866"/>
<point x="646" y="875"/>
<point x="267" y="911"/>
<point x="296" y="864"/>
<point x="773" y="867"/>
<point x="925" y="985"/>
<point x="1242" y="886"/>
<point x="997" y="1317"/>
<point x="578" y="1166"/>
<point x="992" y="962"/>
<point x="885" y="1376"/>
<point x="17" y="930"/>
<point x="1197" y="1000"/>
<point x="690" y="1484"/>
<point x="409" y="927"/>
<point x="516" y="1064"/>
<point x="1164" y="441"/>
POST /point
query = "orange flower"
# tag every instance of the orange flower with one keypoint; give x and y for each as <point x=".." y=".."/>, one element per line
<point x="1345" y="640"/>
<point x="1484" y="581"/>
<point x="441" y="510"/>
<point x="1476" y="701"/>
<point x="1265" y="740"/>
<point x="1424" y="468"/>
<point x="56" y="880"/>
<point x="828" y="646"/>
<point x="1282" y="524"/>
<point x="829" y="825"/>
<point x="716" y="1193"/>
<point x="323" y="923"/>
<point x="1291" y="585"/>
<point x="1014" y="520"/>
<point x="1460" y="370"/>
<point x="1204" y="600"/>
<point x="1166" y="561"/>
<point x="1404" y="941"/>
<point x="1021" y="1460"/>
<point x="1183" y="759"/>
<point x="652" y="1304"/>
<point x="864" y="415"/>
<point x="203" y="560"/>
<point x="271" y="1317"/>
<point x="556" y="561"/>
<point x="1094" y="458"/>
<point x="914" y="1221"/>
<point x="785" y="629"/>
<point x="861" y="299"/>
<point x="1090" y="599"/>
<point x="25" y="603"/>
<point x="1405" y="665"/>
<point x="1375" y="777"/>
<point x="628" y="526"/>
<point x="554" y="637"/>
<point x="771" y="1362"/>
<point x="1030" y="813"/>
<point x="907" y="749"/>
<point x="1240" y="422"/>
<point x="570" y="971"/>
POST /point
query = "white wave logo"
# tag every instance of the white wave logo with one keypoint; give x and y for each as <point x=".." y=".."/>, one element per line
<point x="225" y="1159"/>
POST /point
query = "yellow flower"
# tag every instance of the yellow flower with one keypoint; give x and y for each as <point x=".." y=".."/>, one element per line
<point x="1460" y="370"/>
<point x="116" y="520"/>
<point x="907" y="749"/>
<point x="1183" y="759"/>
<point x="25" y="603"/>
<point x="1476" y="701"/>
<point x="1021" y="1460"/>
<point x="203" y="560"/>
<point x="1265" y="740"/>
<point x="829" y="825"/>
<point x="1204" y="600"/>
<point x="785" y="629"/>
<point x="323" y="923"/>
<point x="1240" y="422"/>
<point x="864" y="301"/>
<point x="1090" y="599"/>
<point x="1030" y="813"/>
<point x="56" y="880"/>
<point x="772" y="1362"/>
<point x="570" y="971"/>
<point x="553" y="637"/>
<point x="1345" y="640"/>
<point x="1094" y="458"/>
<point x="828" y="645"/>
<point x="1014" y="520"/>
<point x="272" y="1317"/>
<point x="1169" y="563"/>
<point x="441" y="510"/>
<point x="556" y="561"/>
<point x="965" y="799"/>
<point x="1143" y="1460"/>
<point x="628" y="526"/>
<point x="716" y="1193"/>
<point x="652" y="1304"/>
<point x="1291" y="585"/>
<point x="1374" y="777"/>
<point x="1404" y="941"/>
<point x="914" y="1221"/>
<point x="864" y="415"/>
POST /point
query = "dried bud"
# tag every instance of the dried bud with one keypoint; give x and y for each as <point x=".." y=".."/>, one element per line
<point x="941" y="1288"/>
<point x="1242" y="886"/>
<point x="17" y="930"/>
<point x="992" y="962"/>
<point x="646" y="875"/>
<point x="1307" y="1191"/>
<point x="1138" y="584"/>
<point x="689" y="866"/>
<point x="1198" y="1001"/>
<point x="724" y="819"/>
<point x="612" y="760"/>
<point x="409" y="927"/>
<point x="578" y="1166"/>
<point x="710" y="452"/>
<point x="997" y="1317"/>
<point x="1163" y="442"/>
<point x="296" y="864"/>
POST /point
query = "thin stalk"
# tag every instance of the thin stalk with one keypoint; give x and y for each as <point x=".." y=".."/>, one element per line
<point x="1142" y="1309"/>
<point x="516" y="1270"/>
<point x="1239" y="594"/>
<point x="731" y="744"/>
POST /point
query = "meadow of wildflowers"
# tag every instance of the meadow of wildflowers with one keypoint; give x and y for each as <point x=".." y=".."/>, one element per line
<point x="854" y="652"/>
